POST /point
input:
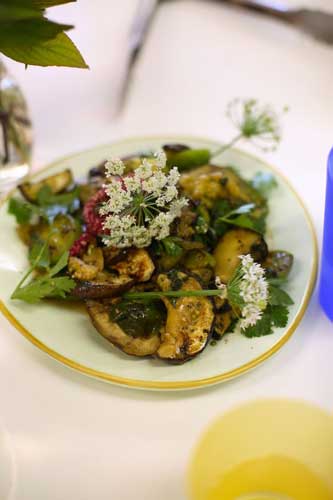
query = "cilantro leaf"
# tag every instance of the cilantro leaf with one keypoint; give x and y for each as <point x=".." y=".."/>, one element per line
<point x="261" y="328"/>
<point x="279" y="316"/>
<point x="257" y="225"/>
<point x="47" y="285"/>
<point x="244" y="219"/>
<point x="60" y="265"/>
<point x="278" y="297"/>
<point x="41" y="251"/>
<point x="44" y="287"/>
<point x="273" y="316"/>
<point x="264" y="182"/>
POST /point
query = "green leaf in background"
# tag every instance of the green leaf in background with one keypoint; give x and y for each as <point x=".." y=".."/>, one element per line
<point x="34" y="4"/>
<point x="59" y="51"/>
<point x="29" y="32"/>
<point x="13" y="13"/>
<point x="27" y="36"/>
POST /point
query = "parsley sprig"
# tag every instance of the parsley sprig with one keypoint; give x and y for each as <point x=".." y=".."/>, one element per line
<point x="47" y="285"/>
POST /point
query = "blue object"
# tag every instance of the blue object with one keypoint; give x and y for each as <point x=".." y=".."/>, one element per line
<point x="326" y="281"/>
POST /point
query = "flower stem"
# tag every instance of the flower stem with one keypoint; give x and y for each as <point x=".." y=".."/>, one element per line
<point x="229" y="145"/>
<point x="173" y="293"/>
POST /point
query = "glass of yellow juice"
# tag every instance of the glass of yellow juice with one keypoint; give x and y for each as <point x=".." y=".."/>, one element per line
<point x="265" y="450"/>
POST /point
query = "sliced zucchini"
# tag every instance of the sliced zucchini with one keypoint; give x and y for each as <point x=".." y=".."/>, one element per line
<point x="60" y="234"/>
<point x="210" y="183"/>
<point x="278" y="264"/>
<point x="189" y="322"/>
<point x="132" y="327"/>
<point x="57" y="183"/>
<point x="232" y="245"/>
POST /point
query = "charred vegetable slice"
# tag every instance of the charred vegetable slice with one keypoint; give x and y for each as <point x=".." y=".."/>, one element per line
<point x="57" y="183"/>
<point x="60" y="234"/>
<point x="223" y="318"/>
<point x="137" y="265"/>
<point x="234" y="243"/>
<point x="132" y="326"/>
<point x="189" y="322"/>
<point x="103" y="286"/>
<point x="210" y="183"/>
<point x="278" y="264"/>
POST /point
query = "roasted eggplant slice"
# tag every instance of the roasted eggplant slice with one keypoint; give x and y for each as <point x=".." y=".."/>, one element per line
<point x="102" y="287"/>
<point x="232" y="245"/>
<point x="132" y="326"/>
<point x="57" y="183"/>
<point x="189" y="323"/>
<point x="223" y="318"/>
<point x="278" y="264"/>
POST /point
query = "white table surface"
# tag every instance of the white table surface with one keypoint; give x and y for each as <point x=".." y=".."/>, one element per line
<point x="76" y="438"/>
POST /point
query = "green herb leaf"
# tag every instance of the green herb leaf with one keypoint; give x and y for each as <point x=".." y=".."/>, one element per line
<point x="60" y="265"/>
<point x="46" y="197"/>
<point x="247" y="222"/>
<point x="244" y="218"/>
<point x="44" y="287"/>
<point x="58" y="51"/>
<point x="47" y="285"/>
<point x="273" y="316"/>
<point x="264" y="182"/>
<point x="278" y="297"/>
<point x="41" y="251"/>
<point x="262" y="328"/>
<point x="279" y="316"/>
<point x="22" y="210"/>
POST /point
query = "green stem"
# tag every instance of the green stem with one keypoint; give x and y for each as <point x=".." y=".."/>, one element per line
<point x="29" y="271"/>
<point x="174" y="294"/>
<point x="229" y="145"/>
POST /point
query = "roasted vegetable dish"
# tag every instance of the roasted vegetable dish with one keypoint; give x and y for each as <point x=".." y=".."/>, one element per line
<point x="155" y="289"/>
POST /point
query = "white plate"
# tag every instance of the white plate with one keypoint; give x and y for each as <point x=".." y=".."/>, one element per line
<point x="66" y="334"/>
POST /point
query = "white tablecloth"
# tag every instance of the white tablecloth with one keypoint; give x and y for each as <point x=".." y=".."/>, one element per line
<point x="77" y="438"/>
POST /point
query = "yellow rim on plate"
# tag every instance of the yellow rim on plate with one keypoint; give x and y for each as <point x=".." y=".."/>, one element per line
<point x="142" y="384"/>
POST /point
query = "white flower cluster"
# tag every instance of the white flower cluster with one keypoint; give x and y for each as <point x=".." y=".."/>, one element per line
<point x="141" y="205"/>
<point x="253" y="290"/>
